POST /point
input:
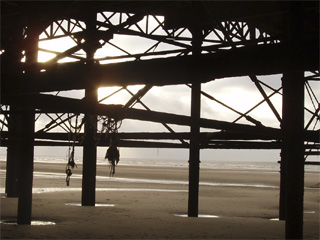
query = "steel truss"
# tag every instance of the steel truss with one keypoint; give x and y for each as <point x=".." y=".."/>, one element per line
<point x="151" y="27"/>
<point x="66" y="121"/>
<point x="112" y="26"/>
<point x="96" y="54"/>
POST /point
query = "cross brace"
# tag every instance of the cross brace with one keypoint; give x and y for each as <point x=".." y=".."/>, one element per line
<point x="249" y="60"/>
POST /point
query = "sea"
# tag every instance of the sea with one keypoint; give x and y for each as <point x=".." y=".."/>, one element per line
<point x="269" y="166"/>
<point x="261" y="166"/>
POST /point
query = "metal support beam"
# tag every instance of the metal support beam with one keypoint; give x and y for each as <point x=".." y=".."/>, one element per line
<point x="293" y="127"/>
<point x="90" y="125"/>
<point x="194" y="151"/>
<point x="243" y="61"/>
<point x="26" y="169"/>
<point x="148" y="109"/>
<point x="26" y="155"/>
<point x="263" y="93"/>
<point x="293" y="113"/>
<point x="283" y="184"/>
<point x="89" y="155"/>
<point x="10" y="62"/>
<point x="223" y="135"/>
<point x="13" y="152"/>
<point x="61" y="104"/>
<point x="136" y="97"/>
<point x="250" y="119"/>
<point x="12" y="170"/>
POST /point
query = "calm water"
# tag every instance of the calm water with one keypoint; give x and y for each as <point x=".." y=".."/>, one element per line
<point x="239" y="165"/>
<point x="211" y="164"/>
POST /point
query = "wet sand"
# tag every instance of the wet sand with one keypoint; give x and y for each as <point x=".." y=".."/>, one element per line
<point x="151" y="203"/>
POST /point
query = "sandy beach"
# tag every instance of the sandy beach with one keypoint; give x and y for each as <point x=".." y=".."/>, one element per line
<point x="151" y="203"/>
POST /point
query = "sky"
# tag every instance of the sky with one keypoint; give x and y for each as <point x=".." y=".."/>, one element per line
<point x="239" y="93"/>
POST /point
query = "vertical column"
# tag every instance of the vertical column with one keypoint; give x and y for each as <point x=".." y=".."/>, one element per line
<point x="293" y="128"/>
<point x="12" y="168"/>
<point x="90" y="125"/>
<point x="26" y="168"/>
<point x="11" y="65"/>
<point x="25" y="180"/>
<point x="283" y="181"/>
<point x="194" y="152"/>
<point x="89" y="153"/>
<point x="13" y="152"/>
<point x="293" y="125"/>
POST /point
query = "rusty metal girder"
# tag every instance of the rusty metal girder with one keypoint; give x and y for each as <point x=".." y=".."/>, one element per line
<point x="256" y="60"/>
<point x="61" y="104"/>
<point x="310" y="136"/>
<point x="124" y="142"/>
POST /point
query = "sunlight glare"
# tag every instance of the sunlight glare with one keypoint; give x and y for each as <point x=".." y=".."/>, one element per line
<point x="53" y="46"/>
<point x="45" y="56"/>
<point x="239" y="99"/>
<point x="135" y="88"/>
<point x="68" y="59"/>
<point x="118" y="98"/>
<point x="108" y="91"/>
<point x="59" y="45"/>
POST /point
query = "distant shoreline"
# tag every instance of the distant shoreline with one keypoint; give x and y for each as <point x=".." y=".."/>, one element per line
<point x="261" y="166"/>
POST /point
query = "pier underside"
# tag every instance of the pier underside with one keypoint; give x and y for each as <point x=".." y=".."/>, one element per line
<point x="156" y="44"/>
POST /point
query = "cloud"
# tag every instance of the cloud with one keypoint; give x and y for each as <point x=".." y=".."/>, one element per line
<point x="172" y="99"/>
